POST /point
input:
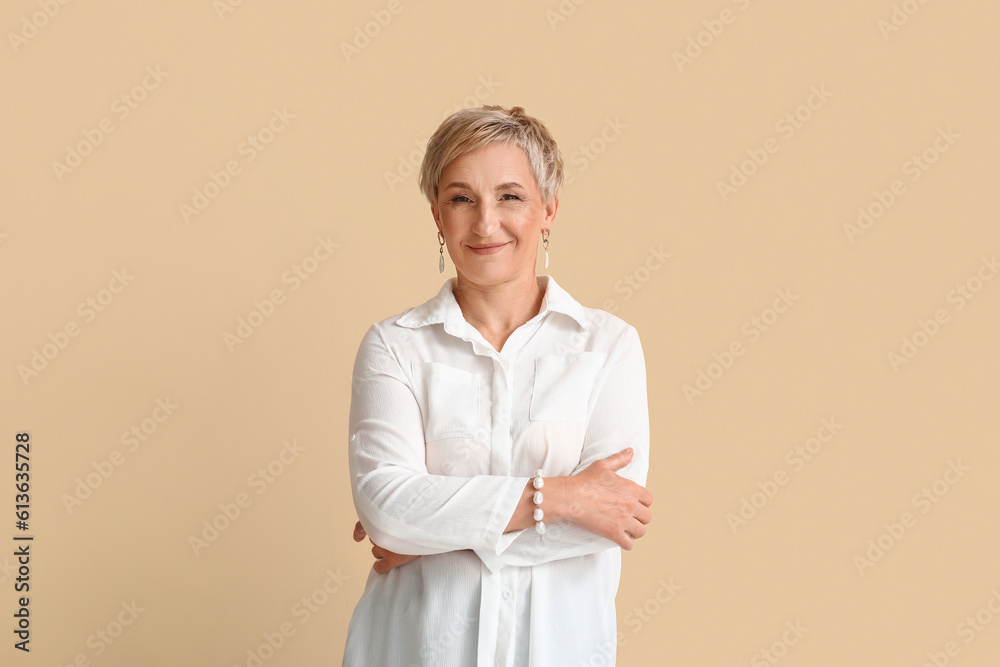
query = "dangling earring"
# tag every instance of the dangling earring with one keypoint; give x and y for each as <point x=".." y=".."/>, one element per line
<point x="441" y="249"/>
<point x="545" y="244"/>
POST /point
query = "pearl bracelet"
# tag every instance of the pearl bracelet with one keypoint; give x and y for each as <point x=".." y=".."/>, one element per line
<point x="538" y="483"/>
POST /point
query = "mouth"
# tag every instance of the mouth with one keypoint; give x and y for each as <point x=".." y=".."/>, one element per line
<point x="487" y="249"/>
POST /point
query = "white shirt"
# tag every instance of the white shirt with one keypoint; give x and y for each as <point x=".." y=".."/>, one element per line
<point x="445" y="431"/>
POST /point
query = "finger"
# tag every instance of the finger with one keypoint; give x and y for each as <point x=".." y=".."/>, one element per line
<point x="621" y="537"/>
<point x="635" y="529"/>
<point x="621" y="459"/>
<point x="392" y="561"/>
<point x="646" y="497"/>
<point x="643" y="514"/>
<point x="359" y="532"/>
<point x="378" y="552"/>
<point x="625" y="541"/>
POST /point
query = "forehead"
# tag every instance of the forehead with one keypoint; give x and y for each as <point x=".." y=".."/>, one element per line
<point x="494" y="163"/>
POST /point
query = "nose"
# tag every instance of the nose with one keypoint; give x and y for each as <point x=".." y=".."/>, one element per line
<point x="487" y="221"/>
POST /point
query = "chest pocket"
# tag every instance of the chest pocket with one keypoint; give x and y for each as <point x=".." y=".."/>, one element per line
<point x="562" y="386"/>
<point x="448" y="399"/>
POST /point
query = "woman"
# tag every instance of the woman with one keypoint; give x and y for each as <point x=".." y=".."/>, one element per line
<point x="499" y="432"/>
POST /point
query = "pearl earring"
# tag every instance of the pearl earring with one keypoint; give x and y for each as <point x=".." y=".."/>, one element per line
<point x="441" y="250"/>
<point x="545" y="244"/>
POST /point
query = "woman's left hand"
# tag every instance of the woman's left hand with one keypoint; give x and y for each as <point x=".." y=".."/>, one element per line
<point x="385" y="560"/>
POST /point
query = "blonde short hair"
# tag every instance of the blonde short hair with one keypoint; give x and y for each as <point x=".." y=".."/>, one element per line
<point x="471" y="129"/>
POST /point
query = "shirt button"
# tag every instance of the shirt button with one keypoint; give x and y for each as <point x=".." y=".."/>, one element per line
<point x="506" y="595"/>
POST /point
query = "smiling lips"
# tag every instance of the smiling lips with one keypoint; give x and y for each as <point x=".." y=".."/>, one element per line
<point x="487" y="249"/>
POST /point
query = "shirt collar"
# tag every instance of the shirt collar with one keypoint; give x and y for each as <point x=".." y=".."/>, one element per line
<point x="443" y="308"/>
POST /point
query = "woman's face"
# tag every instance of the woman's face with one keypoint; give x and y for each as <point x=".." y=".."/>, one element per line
<point x="491" y="214"/>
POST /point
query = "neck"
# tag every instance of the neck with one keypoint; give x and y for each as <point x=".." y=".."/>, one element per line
<point x="497" y="310"/>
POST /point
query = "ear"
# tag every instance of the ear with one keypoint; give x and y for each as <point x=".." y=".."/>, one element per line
<point x="437" y="216"/>
<point x="550" y="212"/>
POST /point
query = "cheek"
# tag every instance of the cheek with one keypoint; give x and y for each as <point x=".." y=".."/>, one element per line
<point x="528" y="235"/>
<point x="451" y="222"/>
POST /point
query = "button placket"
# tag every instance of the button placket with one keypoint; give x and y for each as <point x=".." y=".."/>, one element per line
<point x="501" y="445"/>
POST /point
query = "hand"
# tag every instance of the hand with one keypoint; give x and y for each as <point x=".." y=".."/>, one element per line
<point x="606" y="504"/>
<point x="385" y="560"/>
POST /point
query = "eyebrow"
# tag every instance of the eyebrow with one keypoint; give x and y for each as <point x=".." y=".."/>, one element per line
<point x="502" y="186"/>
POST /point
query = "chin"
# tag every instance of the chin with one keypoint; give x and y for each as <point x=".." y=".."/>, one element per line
<point x="488" y="275"/>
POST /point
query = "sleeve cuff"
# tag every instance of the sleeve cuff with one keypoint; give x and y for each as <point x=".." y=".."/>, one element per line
<point x="492" y="556"/>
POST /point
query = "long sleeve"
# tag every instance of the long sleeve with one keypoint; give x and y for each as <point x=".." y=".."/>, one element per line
<point x="402" y="507"/>
<point x="619" y="419"/>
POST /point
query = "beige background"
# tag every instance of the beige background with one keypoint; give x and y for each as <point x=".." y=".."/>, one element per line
<point x="647" y="142"/>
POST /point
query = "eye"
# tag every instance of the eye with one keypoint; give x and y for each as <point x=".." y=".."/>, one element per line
<point x="512" y="196"/>
<point x="460" y="199"/>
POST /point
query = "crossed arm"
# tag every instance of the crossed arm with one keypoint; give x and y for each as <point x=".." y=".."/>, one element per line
<point x="603" y="503"/>
<point x="597" y="500"/>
